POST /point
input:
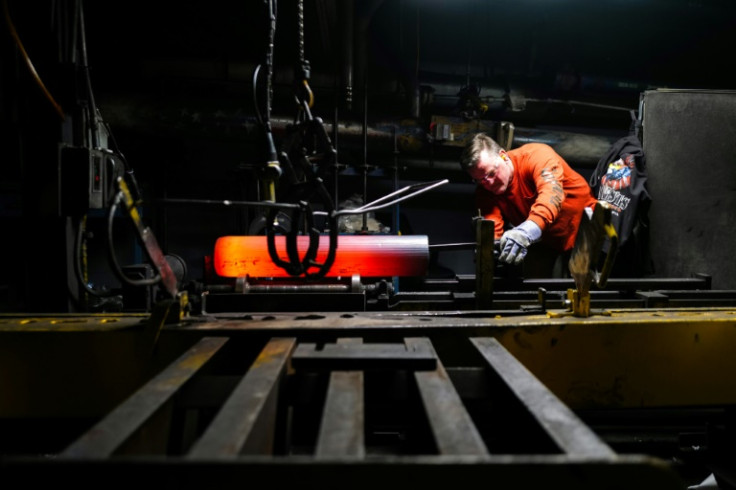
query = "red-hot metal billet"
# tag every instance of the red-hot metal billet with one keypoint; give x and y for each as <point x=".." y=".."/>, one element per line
<point x="365" y="255"/>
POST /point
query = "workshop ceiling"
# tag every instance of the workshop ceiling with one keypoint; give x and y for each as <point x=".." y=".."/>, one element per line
<point x="543" y="63"/>
<point x="675" y="43"/>
<point x="607" y="51"/>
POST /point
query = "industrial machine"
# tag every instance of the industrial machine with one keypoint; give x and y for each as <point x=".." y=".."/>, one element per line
<point x="337" y="317"/>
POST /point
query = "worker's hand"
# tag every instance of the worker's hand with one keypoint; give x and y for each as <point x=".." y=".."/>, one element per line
<point x="514" y="242"/>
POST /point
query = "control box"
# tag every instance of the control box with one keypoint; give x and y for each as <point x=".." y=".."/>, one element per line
<point x="87" y="178"/>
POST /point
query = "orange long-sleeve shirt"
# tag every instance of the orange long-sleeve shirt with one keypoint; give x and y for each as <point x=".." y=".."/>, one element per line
<point x="544" y="189"/>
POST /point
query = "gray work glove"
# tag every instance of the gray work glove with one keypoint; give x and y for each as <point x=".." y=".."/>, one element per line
<point x="514" y="242"/>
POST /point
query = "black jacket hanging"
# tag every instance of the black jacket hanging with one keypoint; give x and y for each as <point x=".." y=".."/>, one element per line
<point x="620" y="179"/>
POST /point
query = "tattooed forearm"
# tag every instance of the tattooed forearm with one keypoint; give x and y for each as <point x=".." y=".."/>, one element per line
<point x="555" y="199"/>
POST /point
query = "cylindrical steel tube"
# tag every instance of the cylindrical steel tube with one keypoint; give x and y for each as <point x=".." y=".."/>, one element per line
<point x="365" y="255"/>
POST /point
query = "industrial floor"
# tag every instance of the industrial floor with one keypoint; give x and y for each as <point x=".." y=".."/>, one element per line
<point x="625" y="398"/>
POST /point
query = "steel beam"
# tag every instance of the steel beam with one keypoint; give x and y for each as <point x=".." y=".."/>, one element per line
<point x="128" y="418"/>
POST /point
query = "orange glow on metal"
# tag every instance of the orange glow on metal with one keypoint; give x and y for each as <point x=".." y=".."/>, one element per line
<point x="365" y="255"/>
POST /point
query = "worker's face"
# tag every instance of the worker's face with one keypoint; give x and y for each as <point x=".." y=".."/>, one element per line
<point x="493" y="171"/>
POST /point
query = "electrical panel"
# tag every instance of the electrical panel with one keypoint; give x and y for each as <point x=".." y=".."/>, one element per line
<point x="87" y="178"/>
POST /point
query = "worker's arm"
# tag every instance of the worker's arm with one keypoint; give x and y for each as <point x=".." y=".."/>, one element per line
<point x="548" y="177"/>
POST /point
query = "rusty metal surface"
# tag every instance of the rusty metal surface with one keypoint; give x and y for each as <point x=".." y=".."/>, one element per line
<point x="457" y="453"/>
<point x="341" y="432"/>
<point x="453" y="319"/>
<point x="555" y="365"/>
<point x="452" y="427"/>
<point x="363" y="356"/>
<point x="565" y="428"/>
<point x="616" y="362"/>
<point x="622" y="359"/>
<point x="250" y="409"/>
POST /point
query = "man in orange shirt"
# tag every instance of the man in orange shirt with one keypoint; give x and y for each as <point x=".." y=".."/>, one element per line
<point x="532" y="195"/>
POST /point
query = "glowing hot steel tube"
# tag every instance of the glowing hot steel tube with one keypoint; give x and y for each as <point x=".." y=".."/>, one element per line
<point x="366" y="255"/>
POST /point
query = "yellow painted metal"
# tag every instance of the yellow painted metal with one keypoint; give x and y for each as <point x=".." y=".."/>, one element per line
<point x="67" y="365"/>
<point x="59" y="322"/>
<point x="579" y="301"/>
<point x="614" y="358"/>
<point x="624" y="358"/>
<point x="632" y="359"/>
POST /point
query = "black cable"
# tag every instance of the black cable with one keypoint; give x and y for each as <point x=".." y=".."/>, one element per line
<point x="93" y="113"/>
<point x="78" y="244"/>
<point x="259" y="118"/>
<point x="111" y="249"/>
<point x="29" y="63"/>
<point x="130" y="173"/>
<point x="95" y="116"/>
<point x="304" y="127"/>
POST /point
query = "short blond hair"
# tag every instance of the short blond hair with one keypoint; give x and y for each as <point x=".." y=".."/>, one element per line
<point x="471" y="153"/>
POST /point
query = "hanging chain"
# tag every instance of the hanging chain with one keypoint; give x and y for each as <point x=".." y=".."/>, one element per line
<point x="300" y="23"/>
<point x="306" y="97"/>
<point x="269" y="59"/>
<point x="307" y="139"/>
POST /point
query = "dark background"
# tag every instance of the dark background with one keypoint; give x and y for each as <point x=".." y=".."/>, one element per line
<point x="174" y="83"/>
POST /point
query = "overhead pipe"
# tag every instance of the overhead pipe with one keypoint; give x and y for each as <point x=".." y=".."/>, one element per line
<point x="438" y="92"/>
<point x="407" y="136"/>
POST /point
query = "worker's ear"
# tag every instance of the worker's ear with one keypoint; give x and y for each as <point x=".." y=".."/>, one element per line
<point x="504" y="155"/>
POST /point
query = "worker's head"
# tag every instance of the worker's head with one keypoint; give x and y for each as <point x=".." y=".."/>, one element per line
<point x="487" y="163"/>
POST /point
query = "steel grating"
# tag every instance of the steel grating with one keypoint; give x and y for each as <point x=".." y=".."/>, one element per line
<point x="322" y="420"/>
